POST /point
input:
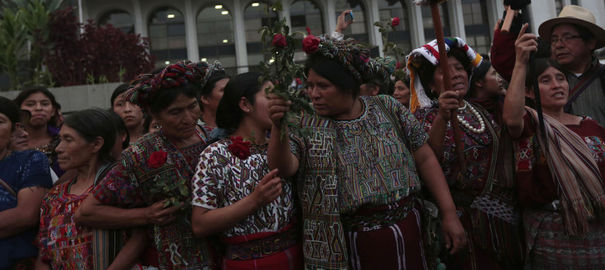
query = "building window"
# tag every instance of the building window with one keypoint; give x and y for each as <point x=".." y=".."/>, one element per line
<point x="401" y="36"/>
<point x="358" y="30"/>
<point x="303" y="14"/>
<point x="119" y="19"/>
<point x="167" y="36"/>
<point x="427" y="21"/>
<point x="256" y="15"/>
<point x="215" y="36"/>
<point x="476" y="25"/>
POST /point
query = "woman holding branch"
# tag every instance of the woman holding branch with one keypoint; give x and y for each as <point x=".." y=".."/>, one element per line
<point x="357" y="161"/>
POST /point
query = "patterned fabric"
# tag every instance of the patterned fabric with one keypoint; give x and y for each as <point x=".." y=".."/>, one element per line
<point x="430" y="52"/>
<point x="395" y="246"/>
<point x="575" y="171"/>
<point x="175" y="75"/>
<point x="485" y="202"/>
<point x="63" y="243"/>
<point x="206" y="129"/>
<point x="355" y="58"/>
<point x="20" y="170"/>
<point x="222" y="179"/>
<point x="133" y="183"/>
<point x="549" y="246"/>
<point x="347" y="164"/>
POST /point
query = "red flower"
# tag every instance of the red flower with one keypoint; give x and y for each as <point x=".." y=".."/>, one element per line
<point x="157" y="159"/>
<point x="279" y="41"/>
<point x="239" y="147"/>
<point x="298" y="81"/>
<point x="310" y="44"/>
<point x="395" y="21"/>
<point x="308" y="30"/>
<point x="399" y="65"/>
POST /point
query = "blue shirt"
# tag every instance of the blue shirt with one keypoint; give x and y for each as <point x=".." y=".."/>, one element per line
<point x="21" y="170"/>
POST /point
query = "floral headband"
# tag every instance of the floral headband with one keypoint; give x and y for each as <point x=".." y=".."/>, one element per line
<point x="430" y="52"/>
<point x="172" y="76"/>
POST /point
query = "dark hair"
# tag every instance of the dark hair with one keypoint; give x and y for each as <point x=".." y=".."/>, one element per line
<point x="118" y="91"/>
<point x="40" y="89"/>
<point x="121" y="129"/>
<point x="333" y="72"/>
<point x="478" y="74"/>
<point x="426" y="70"/>
<point x="93" y="123"/>
<point x="229" y="114"/>
<point x="162" y="98"/>
<point x="540" y="65"/>
<point x="10" y="109"/>
<point x="215" y="77"/>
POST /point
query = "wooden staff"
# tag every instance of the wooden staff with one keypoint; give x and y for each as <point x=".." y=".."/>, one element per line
<point x="443" y="63"/>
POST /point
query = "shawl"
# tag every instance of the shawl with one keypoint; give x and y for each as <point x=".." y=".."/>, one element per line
<point x="575" y="172"/>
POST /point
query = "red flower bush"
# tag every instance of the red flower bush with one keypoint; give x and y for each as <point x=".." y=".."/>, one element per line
<point x="395" y="21"/>
<point x="279" y="41"/>
<point x="239" y="147"/>
<point x="399" y="65"/>
<point x="157" y="159"/>
<point x="310" y="44"/>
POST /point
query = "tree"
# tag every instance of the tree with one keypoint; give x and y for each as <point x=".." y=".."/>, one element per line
<point x="99" y="54"/>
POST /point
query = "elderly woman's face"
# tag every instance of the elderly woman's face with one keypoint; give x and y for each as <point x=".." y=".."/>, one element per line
<point x="6" y="130"/>
<point x="74" y="151"/>
<point x="328" y="100"/>
<point x="179" y="119"/>
<point x="458" y="75"/>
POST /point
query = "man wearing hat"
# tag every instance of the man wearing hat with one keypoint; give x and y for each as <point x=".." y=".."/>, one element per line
<point x="573" y="37"/>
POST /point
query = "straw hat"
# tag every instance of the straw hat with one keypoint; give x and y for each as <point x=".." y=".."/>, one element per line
<point x="577" y="15"/>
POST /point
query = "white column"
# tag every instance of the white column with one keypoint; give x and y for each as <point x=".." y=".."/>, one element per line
<point x="241" y="55"/>
<point x="193" y="52"/>
<point x="568" y="2"/>
<point x="540" y="11"/>
<point x="329" y="14"/>
<point x="285" y="13"/>
<point x="416" y="25"/>
<point x="597" y="8"/>
<point x="495" y="9"/>
<point x="456" y="19"/>
<point x="139" y="23"/>
<point x="374" y="16"/>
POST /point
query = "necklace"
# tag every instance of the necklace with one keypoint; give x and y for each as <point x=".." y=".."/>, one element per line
<point x="466" y="124"/>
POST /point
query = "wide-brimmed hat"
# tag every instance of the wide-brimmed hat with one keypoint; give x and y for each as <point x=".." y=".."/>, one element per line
<point x="576" y="15"/>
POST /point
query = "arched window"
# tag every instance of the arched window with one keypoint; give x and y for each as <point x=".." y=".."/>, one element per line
<point x="119" y="19"/>
<point x="427" y="21"/>
<point x="215" y="36"/>
<point x="167" y="36"/>
<point x="256" y="15"/>
<point x="476" y="25"/>
<point x="389" y="9"/>
<point x="303" y="14"/>
<point x="358" y="30"/>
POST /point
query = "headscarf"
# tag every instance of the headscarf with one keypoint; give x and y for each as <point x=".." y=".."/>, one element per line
<point x="172" y="76"/>
<point x="430" y="52"/>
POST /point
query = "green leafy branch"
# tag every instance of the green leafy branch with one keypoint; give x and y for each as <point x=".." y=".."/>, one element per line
<point x="286" y="75"/>
<point x="390" y="48"/>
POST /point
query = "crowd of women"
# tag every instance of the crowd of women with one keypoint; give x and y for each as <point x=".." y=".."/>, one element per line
<point x="192" y="169"/>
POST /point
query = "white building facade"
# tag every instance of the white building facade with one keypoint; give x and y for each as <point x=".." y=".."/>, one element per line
<point x="226" y="30"/>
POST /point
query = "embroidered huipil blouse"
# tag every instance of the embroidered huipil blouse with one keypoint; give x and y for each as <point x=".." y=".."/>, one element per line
<point x="223" y="179"/>
<point x="348" y="164"/>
